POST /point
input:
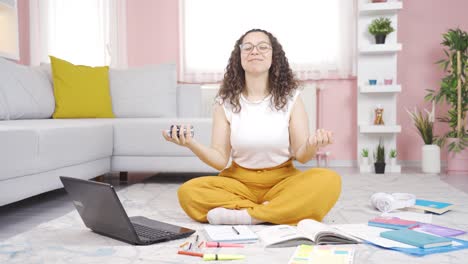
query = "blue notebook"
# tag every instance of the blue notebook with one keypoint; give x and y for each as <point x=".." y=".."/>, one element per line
<point x="431" y="206"/>
<point x="416" y="239"/>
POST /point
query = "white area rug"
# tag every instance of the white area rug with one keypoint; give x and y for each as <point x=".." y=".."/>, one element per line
<point x="67" y="240"/>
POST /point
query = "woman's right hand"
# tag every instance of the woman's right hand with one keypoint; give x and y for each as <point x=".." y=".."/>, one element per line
<point x="185" y="137"/>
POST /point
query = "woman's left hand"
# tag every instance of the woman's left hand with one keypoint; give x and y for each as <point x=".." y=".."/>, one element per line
<point x="321" y="138"/>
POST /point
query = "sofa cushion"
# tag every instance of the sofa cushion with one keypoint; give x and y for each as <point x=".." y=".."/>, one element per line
<point x="3" y="108"/>
<point x="142" y="136"/>
<point x="189" y="101"/>
<point x="18" y="151"/>
<point x="59" y="143"/>
<point x="149" y="91"/>
<point x="80" y="91"/>
<point x="27" y="92"/>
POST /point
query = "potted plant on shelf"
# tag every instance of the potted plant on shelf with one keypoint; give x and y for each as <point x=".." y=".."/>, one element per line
<point x="379" y="159"/>
<point x="380" y="28"/>
<point x="393" y="155"/>
<point x="454" y="91"/>
<point x="430" y="162"/>
<point x="365" y="157"/>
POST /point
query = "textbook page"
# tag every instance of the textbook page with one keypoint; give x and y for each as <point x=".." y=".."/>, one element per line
<point x="324" y="234"/>
<point x="283" y="236"/>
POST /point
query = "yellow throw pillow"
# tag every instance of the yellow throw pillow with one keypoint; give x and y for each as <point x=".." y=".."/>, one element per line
<point x="80" y="91"/>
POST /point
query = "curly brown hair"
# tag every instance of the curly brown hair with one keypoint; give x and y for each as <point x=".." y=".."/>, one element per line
<point x="282" y="82"/>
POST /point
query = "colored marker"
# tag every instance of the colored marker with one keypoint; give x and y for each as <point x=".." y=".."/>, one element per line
<point x="208" y="257"/>
<point x="190" y="253"/>
<point x="183" y="245"/>
<point x="221" y="244"/>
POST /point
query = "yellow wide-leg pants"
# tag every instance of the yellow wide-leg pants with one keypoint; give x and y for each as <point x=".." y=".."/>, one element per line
<point x="292" y="195"/>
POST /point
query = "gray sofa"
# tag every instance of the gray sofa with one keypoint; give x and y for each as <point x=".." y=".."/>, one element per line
<point x="35" y="149"/>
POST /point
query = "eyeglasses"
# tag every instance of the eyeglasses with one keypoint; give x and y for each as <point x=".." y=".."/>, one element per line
<point x="262" y="47"/>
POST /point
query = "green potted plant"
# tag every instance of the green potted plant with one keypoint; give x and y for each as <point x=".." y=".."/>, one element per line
<point x="379" y="158"/>
<point x="454" y="91"/>
<point x="430" y="162"/>
<point x="380" y="28"/>
<point x="365" y="157"/>
<point x="392" y="155"/>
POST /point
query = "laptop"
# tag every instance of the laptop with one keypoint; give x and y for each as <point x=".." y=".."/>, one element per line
<point x="101" y="211"/>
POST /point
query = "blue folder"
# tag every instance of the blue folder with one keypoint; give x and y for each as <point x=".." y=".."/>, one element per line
<point x="419" y="252"/>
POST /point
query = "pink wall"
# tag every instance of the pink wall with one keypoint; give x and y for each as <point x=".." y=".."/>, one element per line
<point x="421" y="25"/>
<point x="152" y="31"/>
<point x="338" y="113"/>
<point x="153" y="37"/>
<point x="23" y="17"/>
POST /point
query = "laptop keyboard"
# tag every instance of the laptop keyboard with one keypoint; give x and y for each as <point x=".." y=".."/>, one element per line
<point x="151" y="233"/>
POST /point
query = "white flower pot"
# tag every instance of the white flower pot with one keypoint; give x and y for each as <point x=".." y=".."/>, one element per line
<point x="365" y="161"/>
<point x="430" y="159"/>
<point x="393" y="162"/>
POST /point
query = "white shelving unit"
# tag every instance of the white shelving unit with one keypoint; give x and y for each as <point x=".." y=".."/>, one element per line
<point x="377" y="61"/>
<point x="9" y="40"/>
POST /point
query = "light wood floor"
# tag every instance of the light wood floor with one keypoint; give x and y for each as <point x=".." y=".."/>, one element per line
<point x="24" y="215"/>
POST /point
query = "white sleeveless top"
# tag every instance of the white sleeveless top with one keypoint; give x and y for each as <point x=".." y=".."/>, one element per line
<point x="259" y="132"/>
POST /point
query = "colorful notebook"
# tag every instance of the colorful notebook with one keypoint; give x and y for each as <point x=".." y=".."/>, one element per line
<point x="392" y="222"/>
<point x="438" y="230"/>
<point x="308" y="254"/>
<point x="431" y="206"/>
<point x="417" y="239"/>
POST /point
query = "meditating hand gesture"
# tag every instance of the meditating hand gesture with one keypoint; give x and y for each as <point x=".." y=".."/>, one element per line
<point x="179" y="135"/>
<point x="321" y="138"/>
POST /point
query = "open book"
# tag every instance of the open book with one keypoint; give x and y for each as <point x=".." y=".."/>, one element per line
<point x="307" y="232"/>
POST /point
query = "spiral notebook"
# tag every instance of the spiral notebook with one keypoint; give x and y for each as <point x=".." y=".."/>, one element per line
<point x="231" y="234"/>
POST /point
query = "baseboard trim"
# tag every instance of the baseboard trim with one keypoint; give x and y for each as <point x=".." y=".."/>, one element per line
<point x="417" y="163"/>
<point x="353" y="163"/>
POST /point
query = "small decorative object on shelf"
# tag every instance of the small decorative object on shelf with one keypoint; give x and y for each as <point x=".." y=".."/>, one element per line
<point x="380" y="28"/>
<point x="364" y="157"/>
<point x="388" y="81"/>
<point x="378" y="120"/>
<point x="372" y="82"/>
<point x="379" y="158"/>
<point x="393" y="155"/>
<point x="379" y="1"/>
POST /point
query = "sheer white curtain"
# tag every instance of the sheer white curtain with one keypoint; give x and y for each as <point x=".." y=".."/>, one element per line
<point x="88" y="32"/>
<point x="318" y="36"/>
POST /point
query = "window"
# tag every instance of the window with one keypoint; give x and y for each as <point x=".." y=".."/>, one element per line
<point x="80" y="31"/>
<point x="9" y="44"/>
<point x="317" y="36"/>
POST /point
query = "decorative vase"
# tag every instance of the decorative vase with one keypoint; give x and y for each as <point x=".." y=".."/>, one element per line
<point x="457" y="163"/>
<point x="379" y="1"/>
<point x="430" y="159"/>
<point x="388" y="81"/>
<point x="365" y="161"/>
<point x="380" y="39"/>
<point x="379" y="167"/>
